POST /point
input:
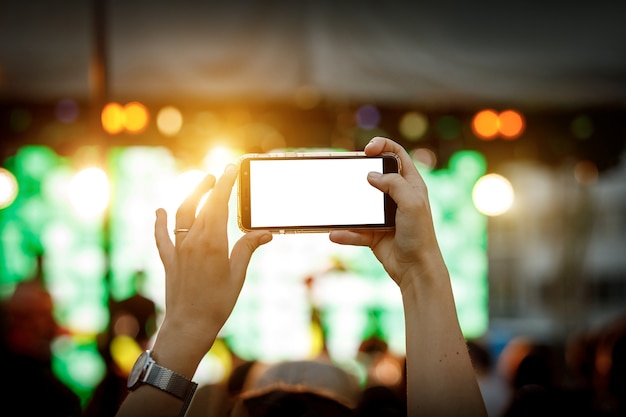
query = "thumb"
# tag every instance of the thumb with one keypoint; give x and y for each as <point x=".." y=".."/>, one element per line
<point x="243" y="250"/>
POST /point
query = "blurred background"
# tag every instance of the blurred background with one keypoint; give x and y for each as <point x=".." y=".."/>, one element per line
<point x="515" y="115"/>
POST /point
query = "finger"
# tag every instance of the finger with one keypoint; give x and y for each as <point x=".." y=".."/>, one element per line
<point x="215" y="210"/>
<point x="379" y="145"/>
<point x="403" y="192"/>
<point x="350" y="237"/>
<point x="162" y="238"/>
<point x="243" y="250"/>
<point x="186" y="213"/>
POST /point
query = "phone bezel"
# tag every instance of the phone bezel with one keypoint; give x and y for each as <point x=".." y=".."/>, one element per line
<point x="391" y="164"/>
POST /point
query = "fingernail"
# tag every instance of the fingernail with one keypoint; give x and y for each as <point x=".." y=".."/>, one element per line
<point x="230" y="168"/>
<point x="374" y="175"/>
<point x="371" y="142"/>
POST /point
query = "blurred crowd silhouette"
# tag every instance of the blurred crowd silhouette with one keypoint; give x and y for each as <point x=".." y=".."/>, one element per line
<point x="134" y="318"/>
<point x="28" y="330"/>
<point x="583" y="375"/>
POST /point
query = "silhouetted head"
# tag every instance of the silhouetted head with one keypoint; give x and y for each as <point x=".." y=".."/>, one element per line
<point x="300" y="388"/>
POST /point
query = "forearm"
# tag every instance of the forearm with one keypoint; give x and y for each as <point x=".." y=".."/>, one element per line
<point x="440" y="376"/>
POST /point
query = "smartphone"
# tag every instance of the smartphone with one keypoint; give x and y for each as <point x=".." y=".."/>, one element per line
<point x="313" y="192"/>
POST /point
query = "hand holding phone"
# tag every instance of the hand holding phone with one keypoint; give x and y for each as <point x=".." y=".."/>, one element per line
<point x="313" y="192"/>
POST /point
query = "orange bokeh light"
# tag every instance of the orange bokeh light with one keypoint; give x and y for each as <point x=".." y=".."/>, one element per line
<point x="135" y="117"/>
<point x="511" y="124"/>
<point x="112" y="118"/>
<point x="486" y="124"/>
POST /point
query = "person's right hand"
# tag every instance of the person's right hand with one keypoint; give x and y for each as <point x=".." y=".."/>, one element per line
<point x="411" y="246"/>
<point x="202" y="279"/>
<point x="440" y="377"/>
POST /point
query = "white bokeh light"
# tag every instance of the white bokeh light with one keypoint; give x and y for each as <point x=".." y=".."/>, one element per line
<point x="493" y="195"/>
<point x="90" y="192"/>
<point x="8" y="188"/>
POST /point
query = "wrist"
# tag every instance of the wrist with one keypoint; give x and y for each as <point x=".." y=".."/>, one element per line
<point x="147" y="371"/>
<point x="181" y="347"/>
<point x="428" y="278"/>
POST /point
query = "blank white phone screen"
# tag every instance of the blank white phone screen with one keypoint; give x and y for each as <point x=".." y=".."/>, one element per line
<point x="314" y="192"/>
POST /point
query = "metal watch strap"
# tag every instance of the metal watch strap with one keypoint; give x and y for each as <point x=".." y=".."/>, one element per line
<point x="173" y="383"/>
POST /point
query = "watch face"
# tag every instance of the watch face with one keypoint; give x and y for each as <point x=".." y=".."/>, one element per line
<point x="138" y="370"/>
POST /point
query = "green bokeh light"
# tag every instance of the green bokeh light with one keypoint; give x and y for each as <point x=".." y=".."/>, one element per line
<point x="462" y="232"/>
<point x="352" y="289"/>
<point x="582" y="127"/>
<point x="448" y="127"/>
<point x="40" y="225"/>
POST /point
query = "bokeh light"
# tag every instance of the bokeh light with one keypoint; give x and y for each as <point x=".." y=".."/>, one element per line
<point x="413" y="125"/>
<point x="493" y="195"/>
<point x="124" y="351"/>
<point x="367" y="116"/>
<point x="66" y="110"/>
<point x="36" y="161"/>
<point x="218" y="158"/>
<point x="20" y="120"/>
<point x="169" y="121"/>
<point x="448" y="127"/>
<point x="8" y="188"/>
<point x="387" y="370"/>
<point x="582" y="127"/>
<point x="586" y="172"/>
<point x="89" y="192"/>
<point x="486" y="124"/>
<point x="472" y="164"/>
<point x="113" y="118"/>
<point x="425" y="157"/>
<point x="135" y="117"/>
<point x="77" y="364"/>
<point x="511" y="124"/>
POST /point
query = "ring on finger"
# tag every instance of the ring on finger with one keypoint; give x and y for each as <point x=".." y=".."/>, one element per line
<point x="180" y="231"/>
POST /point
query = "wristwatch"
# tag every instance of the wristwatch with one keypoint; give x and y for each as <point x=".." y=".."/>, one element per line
<point x="146" y="371"/>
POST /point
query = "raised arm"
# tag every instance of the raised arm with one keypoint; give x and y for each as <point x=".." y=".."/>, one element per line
<point x="202" y="285"/>
<point x="440" y="376"/>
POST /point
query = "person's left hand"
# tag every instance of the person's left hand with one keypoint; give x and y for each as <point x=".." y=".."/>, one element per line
<point x="202" y="281"/>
